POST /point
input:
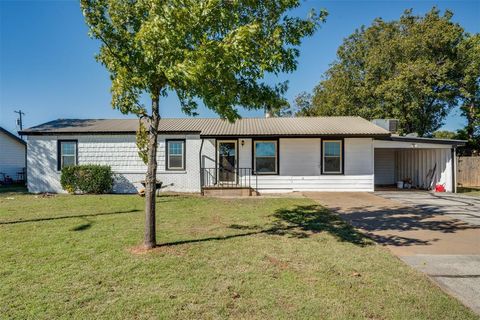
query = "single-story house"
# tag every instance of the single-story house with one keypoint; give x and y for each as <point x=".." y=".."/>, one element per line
<point x="262" y="154"/>
<point x="12" y="156"/>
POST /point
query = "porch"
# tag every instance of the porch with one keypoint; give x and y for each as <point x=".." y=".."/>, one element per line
<point x="228" y="181"/>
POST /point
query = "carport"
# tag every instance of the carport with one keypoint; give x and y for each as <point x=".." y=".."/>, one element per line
<point x="425" y="161"/>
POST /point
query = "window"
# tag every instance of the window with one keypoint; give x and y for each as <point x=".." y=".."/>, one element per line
<point x="67" y="153"/>
<point x="265" y="157"/>
<point x="175" y="155"/>
<point x="332" y="156"/>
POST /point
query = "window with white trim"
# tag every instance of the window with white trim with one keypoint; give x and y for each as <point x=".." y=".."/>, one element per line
<point x="67" y="154"/>
<point x="265" y="157"/>
<point x="332" y="156"/>
<point x="175" y="155"/>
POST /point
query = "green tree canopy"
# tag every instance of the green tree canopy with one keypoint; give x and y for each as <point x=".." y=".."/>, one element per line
<point x="215" y="51"/>
<point x="470" y="88"/>
<point x="211" y="51"/>
<point x="444" y="134"/>
<point x="406" y="69"/>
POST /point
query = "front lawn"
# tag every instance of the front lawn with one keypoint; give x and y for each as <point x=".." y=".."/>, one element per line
<point x="71" y="257"/>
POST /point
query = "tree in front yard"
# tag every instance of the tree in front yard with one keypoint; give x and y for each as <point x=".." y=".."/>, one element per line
<point x="212" y="51"/>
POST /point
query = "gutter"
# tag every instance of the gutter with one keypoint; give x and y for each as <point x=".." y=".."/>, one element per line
<point x="60" y="133"/>
<point x="200" y="166"/>
<point x="248" y="136"/>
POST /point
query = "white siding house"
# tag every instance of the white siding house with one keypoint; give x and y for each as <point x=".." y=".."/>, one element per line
<point x="12" y="155"/>
<point x="268" y="155"/>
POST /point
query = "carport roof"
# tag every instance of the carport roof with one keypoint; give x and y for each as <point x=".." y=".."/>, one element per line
<point x="456" y="143"/>
<point x="215" y="127"/>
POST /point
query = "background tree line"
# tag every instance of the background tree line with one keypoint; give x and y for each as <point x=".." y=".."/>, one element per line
<point x="415" y="69"/>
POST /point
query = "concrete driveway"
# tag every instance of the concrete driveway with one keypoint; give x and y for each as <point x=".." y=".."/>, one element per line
<point x="454" y="205"/>
<point x="438" y="235"/>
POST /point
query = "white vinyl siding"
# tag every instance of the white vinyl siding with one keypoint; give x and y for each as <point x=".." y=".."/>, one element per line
<point x="273" y="184"/>
<point x="300" y="157"/>
<point x="358" y="156"/>
<point x="245" y="153"/>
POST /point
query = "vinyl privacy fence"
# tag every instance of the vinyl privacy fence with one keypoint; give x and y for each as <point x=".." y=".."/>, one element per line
<point x="468" y="171"/>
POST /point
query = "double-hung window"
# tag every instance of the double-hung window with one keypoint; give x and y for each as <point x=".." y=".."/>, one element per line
<point x="175" y="155"/>
<point x="67" y="153"/>
<point x="265" y="157"/>
<point x="332" y="156"/>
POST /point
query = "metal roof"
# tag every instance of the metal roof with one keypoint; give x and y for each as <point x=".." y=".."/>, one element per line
<point x="11" y="135"/>
<point x="215" y="127"/>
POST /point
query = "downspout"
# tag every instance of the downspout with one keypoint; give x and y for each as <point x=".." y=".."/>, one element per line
<point x="25" y="177"/>
<point x="200" y="166"/>
<point x="373" y="164"/>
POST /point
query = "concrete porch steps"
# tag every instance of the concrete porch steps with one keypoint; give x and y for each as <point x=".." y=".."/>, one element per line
<point x="229" y="192"/>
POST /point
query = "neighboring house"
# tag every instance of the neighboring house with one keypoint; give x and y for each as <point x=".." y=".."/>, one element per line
<point x="12" y="156"/>
<point x="266" y="154"/>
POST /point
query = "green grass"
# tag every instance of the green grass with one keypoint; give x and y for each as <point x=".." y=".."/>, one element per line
<point x="472" y="191"/>
<point x="70" y="257"/>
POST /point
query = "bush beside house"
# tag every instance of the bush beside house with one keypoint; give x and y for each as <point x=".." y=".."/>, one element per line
<point x="89" y="178"/>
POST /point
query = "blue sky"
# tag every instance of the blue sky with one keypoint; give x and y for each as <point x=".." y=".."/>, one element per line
<point x="47" y="65"/>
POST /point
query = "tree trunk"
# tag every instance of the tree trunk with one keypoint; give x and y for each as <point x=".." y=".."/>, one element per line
<point x="151" y="177"/>
<point x="470" y="121"/>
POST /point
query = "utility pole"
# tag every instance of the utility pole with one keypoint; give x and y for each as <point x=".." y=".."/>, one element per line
<point x="19" y="120"/>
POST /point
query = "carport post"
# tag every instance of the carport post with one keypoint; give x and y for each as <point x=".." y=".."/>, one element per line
<point x="454" y="169"/>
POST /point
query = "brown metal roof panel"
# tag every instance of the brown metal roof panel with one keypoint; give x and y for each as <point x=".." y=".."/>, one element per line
<point x="220" y="127"/>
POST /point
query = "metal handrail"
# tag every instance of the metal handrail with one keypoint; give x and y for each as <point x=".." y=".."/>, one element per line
<point x="227" y="178"/>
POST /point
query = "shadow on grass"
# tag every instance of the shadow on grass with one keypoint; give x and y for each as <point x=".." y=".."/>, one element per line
<point x="298" y="222"/>
<point x="311" y="219"/>
<point x="232" y="236"/>
<point x="69" y="217"/>
<point x="84" y="226"/>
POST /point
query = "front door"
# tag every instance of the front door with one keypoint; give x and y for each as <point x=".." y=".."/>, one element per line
<point x="227" y="161"/>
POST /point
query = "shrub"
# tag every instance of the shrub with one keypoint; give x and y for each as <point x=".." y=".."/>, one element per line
<point x="88" y="178"/>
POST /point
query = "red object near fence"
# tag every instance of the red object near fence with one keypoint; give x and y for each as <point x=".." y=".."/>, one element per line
<point x="440" y="188"/>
